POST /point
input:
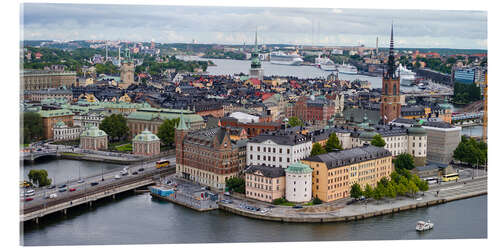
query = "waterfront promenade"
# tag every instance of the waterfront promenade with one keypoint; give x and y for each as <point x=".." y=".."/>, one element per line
<point x="340" y="211"/>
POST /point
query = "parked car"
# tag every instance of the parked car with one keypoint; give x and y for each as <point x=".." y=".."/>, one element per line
<point x="72" y="189"/>
<point x="118" y="176"/>
<point x="134" y="173"/>
<point x="94" y="183"/>
<point x="81" y="181"/>
<point x="28" y="199"/>
<point x="141" y="169"/>
<point x="51" y="187"/>
<point x="52" y="196"/>
<point x="63" y="189"/>
<point x="297" y="206"/>
<point x="62" y="186"/>
<point x="124" y="173"/>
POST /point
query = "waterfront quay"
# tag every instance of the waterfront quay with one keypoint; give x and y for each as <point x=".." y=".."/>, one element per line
<point x="339" y="210"/>
<point x="88" y="190"/>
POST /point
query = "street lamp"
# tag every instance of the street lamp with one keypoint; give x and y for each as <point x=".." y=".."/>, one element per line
<point x="102" y="173"/>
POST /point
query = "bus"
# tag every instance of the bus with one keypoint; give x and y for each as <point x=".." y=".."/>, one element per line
<point x="450" y="177"/>
<point x="162" y="163"/>
<point x="431" y="180"/>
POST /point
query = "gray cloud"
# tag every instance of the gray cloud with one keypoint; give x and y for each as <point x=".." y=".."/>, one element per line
<point x="412" y="28"/>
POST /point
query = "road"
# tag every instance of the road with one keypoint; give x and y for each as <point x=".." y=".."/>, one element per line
<point x="109" y="177"/>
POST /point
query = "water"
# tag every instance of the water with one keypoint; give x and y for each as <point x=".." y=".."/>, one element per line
<point x="141" y="219"/>
<point x="63" y="170"/>
<point x="473" y="131"/>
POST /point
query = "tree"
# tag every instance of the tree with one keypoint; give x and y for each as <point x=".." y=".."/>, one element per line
<point x="317" y="149"/>
<point x="368" y="192"/>
<point x="333" y="143"/>
<point x="412" y="188"/>
<point x="32" y="127"/>
<point x="39" y="177"/>
<point x="384" y="181"/>
<point x="295" y="121"/>
<point x="390" y="190"/>
<point x="115" y="126"/>
<point x="356" y="191"/>
<point x="379" y="192"/>
<point x="404" y="161"/>
<point x="470" y="151"/>
<point x="166" y="132"/>
<point x="401" y="189"/>
<point x="317" y="201"/>
<point x="378" y="141"/>
<point x="236" y="184"/>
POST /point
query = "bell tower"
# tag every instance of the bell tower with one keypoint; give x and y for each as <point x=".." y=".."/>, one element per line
<point x="390" y="101"/>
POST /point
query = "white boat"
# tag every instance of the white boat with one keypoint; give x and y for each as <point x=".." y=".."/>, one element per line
<point x="423" y="226"/>
<point x="347" y="69"/>
<point x="406" y="76"/>
<point x="325" y="64"/>
<point x="282" y="58"/>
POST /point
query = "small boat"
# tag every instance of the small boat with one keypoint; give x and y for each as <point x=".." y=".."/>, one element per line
<point x="423" y="226"/>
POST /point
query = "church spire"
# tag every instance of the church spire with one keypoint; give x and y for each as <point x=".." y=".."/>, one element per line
<point x="391" y="69"/>
<point x="182" y="123"/>
<point x="256" y="47"/>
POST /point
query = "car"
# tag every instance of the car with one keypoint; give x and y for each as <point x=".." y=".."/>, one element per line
<point x="362" y="198"/>
<point x="227" y="193"/>
<point x="28" y="199"/>
<point x="257" y="209"/>
<point x="141" y="169"/>
<point x="30" y="191"/>
<point x="52" y="196"/>
<point x="62" y="186"/>
<point x="72" y="189"/>
<point x="63" y="189"/>
<point x="118" y="176"/>
<point x="51" y="187"/>
<point x="297" y="206"/>
<point x="94" y="183"/>
<point x="264" y="211"/>
<point x="81" y="181"/>
<point x="29" y="194"/>
<point x="271" y="206"/>
<point x="134" y="173"/>
<point x="124" y="173"/>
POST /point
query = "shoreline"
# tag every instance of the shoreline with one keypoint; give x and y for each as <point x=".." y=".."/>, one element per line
<point x="356" y="212"/>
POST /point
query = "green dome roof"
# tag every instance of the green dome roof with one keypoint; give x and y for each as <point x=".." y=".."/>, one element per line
<point x="146" y="136"/>
<point x="298" y="168"/>
<point x="93" y="132"/>
<point x="417" y="130"/>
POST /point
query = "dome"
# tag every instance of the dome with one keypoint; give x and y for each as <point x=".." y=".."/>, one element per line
<point x="417" y="130"/>
<point x="93" y="132"/>
<point x="146" y="136"/>
<point x="298" y="168"/>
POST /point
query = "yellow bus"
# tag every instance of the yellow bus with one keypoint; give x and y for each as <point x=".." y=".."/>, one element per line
<point x="450" y="177"/>
<point x="162" y="163"/>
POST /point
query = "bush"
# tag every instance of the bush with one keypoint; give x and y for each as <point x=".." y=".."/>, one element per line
<point x="317" y="201"/>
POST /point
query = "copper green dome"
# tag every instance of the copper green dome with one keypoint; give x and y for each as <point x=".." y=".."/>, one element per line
<point x="146" y="136"/>
<point x="298" y="168"/>
<point x="93" y="132"/>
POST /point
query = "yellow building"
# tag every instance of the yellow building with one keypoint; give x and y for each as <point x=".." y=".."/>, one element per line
<point x="334" y="173"/>
<point x="125" y="98"/>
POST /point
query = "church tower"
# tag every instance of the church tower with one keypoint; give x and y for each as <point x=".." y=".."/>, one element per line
<point x="390" y="101"/>
<point x="256" y="67"/>
<point x="180" y="132"/>
<point x="127" y="70"/>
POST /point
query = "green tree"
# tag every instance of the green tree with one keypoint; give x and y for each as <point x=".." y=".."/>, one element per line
<point x="166" y="132"/>
<point x="401" y="189"/>
<point x="378" y="141"/>
<point x="368" y="192"/>
<point x="115" y="126"/>
<point x="384" y="181"/>
<point x="356" y="191"/>
<point x="295" y="121"/>
<point x="236" y="184"/>
<point x="379" y="192"/>
<point x="471" y="151"/>
<point x="317" y="201"/>
<point x="333" y="143"/>
<point x="32" y="127"/>
<point x="39" y="177"/>
<point x="404" y="161"/>
<point x="412" y="188"/>
<point x="317" y="149"/>
<point x="391" y="190"/>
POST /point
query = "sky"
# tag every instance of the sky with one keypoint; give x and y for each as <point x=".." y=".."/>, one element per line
<point x="237" y="25"/>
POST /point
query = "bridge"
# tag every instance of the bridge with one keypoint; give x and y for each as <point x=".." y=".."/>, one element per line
<point x="86" y="193"/>
<point x="471" y="116"/>
<point x="428" y="94"/>
<point x="33" y="155"/>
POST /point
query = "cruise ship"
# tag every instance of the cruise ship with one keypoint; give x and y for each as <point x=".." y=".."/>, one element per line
<point x="406" y="76"/>
<point x="325" y="64"/>
<point x="347" y="69"/>
<point x="285" y="59"/>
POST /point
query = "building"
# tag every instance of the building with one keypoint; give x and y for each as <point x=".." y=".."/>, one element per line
<point x="42" y="94"/>
<point x="205" y="156"/>
<point x="151" y="119"/>
<point x="256" y="70"/>
<point x="252" y="129"/>
<point x="51" y="117"/>
<point x="298" y="182"/>
<point x="314" y="109"/>
<point x="44" y="79"/>
<point x="442" y="139"/>
<point x="390" y="100"/>
<point x="278" y="149"/>
<point x="127" y="70"/>
<point x="62" y="132"/>
<point x="468" y="75"/>
<point x="93" y="139"/>
<point x="146" y="144"/>
<point x="334" y="173"/>
<point x="264" y="183"/>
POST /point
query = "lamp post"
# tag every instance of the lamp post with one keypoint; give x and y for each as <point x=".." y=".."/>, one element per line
<point x="102" y="173"/>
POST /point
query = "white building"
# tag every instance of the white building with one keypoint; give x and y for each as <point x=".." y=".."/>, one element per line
<point x="298" y="183"/>
<point x="64" y="133"/>
<point x="244" y="117"/>
<point x="278" y="149"/>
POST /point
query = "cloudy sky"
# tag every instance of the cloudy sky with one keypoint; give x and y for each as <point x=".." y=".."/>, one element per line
<point x="236" y="25"/>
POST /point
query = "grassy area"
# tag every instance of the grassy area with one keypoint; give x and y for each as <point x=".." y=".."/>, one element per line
<point x="283" y="202"/>
<point x="309" y="204"/>
<point x="124" y="148"/>
<point x="25" y="145"/>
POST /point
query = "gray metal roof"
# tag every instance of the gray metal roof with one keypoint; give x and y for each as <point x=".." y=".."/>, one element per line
<point x="350" y="156"/>
<point x="267" y="171"/>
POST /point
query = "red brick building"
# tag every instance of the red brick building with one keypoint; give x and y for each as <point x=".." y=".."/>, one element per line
<point x="314" y="109"/>
<point x="252" y="129"/>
